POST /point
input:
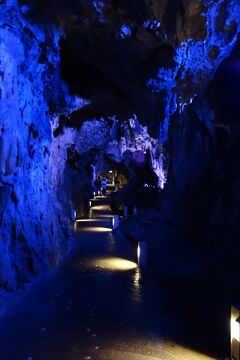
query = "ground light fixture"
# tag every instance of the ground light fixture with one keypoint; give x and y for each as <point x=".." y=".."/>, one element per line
<point x="74" y="214"/>
<point x="142" y="253"/>
<point x="115" y="221"/>
<point x="235" y="332"/>
<point x="90" y="203"/>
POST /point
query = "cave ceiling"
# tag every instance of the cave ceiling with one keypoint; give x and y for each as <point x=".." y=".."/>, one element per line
<point x="139" y="57"/>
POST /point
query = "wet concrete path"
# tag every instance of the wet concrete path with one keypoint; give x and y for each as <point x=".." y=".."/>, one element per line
<point x="98" y="305"/>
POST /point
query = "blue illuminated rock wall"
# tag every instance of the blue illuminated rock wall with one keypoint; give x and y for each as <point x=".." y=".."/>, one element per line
<point x="159" y="60"/>
<point x="196" y="223"/>
<point x="160" y="57"/>
<point x="33" y="220"/>
<point x="206" y="33"/>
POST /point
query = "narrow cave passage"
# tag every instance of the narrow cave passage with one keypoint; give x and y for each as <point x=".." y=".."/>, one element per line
<point x="99" y="305"/>
<point x="119" y="179"/>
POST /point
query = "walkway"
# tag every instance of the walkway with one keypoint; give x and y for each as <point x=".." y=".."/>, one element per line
<point x="97" y="306"/>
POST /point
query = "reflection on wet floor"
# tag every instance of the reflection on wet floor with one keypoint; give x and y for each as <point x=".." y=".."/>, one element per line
<point x="99" y="306"/>
<point x="155" y="347"/>
<point x="136" y="287"/>
<point x="111" y="245"/>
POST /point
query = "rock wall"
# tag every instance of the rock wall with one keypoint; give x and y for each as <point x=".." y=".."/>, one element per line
<point x="115" y="140"/>
<point x="196" y="219"/>
<point x="33" y="225"/>
<point x="153" y="63"/>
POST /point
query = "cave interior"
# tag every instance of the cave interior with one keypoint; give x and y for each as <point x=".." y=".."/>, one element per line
<point x="144" y="94"/>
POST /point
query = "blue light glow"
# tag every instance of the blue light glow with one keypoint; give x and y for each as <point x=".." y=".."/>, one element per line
<point x="30" y="206"/>
<point x="126" y="31"/>
<point x="193" y="66"/>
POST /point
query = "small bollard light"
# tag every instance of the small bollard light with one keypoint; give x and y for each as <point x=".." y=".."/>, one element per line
<point x="94" y="193"/>
<point x="142" y="253"/>
<point x="74" y="214"/>
<point x="125" y="211"/>
<point x="115" y="221"/>
<point x="135" y="210"/>
<point x="90" y="203"/>
<point x="235" y="332"/>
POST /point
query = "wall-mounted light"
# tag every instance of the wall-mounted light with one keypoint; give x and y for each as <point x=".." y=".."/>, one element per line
<point x="235" y="332"/>
<point x="115" y="221"/>
<point x="142" y="253"/>
<point x="94" y="193"/>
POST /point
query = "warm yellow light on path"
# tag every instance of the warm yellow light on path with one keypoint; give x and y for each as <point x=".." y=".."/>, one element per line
<point x="88" y="220"/>
<point x="100" y="208"/>
<point x="96" y="229"/>
<point x="112" y="263"/>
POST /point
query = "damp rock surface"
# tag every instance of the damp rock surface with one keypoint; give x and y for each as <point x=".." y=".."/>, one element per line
<point x="142" y="69"/>
<point x="33" y="222"/>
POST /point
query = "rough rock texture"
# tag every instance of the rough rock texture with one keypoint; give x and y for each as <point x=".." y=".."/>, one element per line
<point x="196" y="221"/>
<point x="33" y="224"/>
<point x="143" y="67"/>
<point x="151" y="62"/>
<point x="100" y="145"/>
<point x="149" y="58"/>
